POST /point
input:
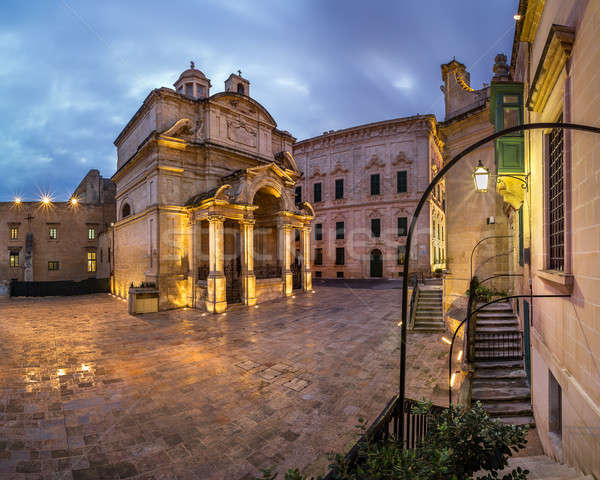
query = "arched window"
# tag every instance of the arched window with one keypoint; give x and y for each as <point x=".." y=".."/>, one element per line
<point x="240" y="88"/>
<point x="125" y="210"/>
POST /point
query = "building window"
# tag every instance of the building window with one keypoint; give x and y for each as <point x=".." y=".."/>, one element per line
<point x="556" y="200"/>
<point x="340" y="254"/>
<point x="319" y="231"/>
<point x="91" y="262"/>
<point x="298" y="194"/>
<point x="125" y="211"/>
<point x="14" y="260"/>
<point x="402" y="226"/>
<point x="401" y="254"/>
<point x="91" y="233"/>
<point x="317" y="192"/>
<point x="101" y="256"/>
<point x="53" y="265"/>
<point x="296" y="235"/>
<point x="401" y="181"/>
<point x="339" y="274"/>
<point x="375" y="184"/>
<point x="375" y="227"/>
<point x="318" y="256"/>
<point x="339" y="188"/>
<point x="339" y="230"/>
<point x="189" y="89"/>
<point x="14" y="233"/>
<point x="240" y="88"/>
<point x="52" y="233"/>
<point x="318" y="274"/>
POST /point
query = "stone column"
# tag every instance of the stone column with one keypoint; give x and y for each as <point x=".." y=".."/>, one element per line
<point x="305" y="251"/>
<point x="247" y="247"/>
<point x="216" y="301"/>
<point x="285" y="257"/>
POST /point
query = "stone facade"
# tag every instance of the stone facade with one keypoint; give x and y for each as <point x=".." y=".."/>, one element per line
<point x="205" y="199"/>
<point x="41" y="242"/>
<point x="556" y="56"/>
<point x="364" y="183"/>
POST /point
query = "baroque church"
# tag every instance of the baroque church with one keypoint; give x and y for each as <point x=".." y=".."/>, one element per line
<point x="205" y="200"/>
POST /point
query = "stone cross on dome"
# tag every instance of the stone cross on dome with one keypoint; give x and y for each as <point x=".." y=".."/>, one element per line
<point x="239" y="73"/>
<point x="192" y="65"/>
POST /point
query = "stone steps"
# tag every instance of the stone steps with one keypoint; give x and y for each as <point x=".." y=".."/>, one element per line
<point x="507" y="393"/>
<point x="429" y="315"/>
<point x="541" y="467"/>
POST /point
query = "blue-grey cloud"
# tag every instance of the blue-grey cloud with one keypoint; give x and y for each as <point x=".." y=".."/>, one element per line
<point x="73" y="72"/>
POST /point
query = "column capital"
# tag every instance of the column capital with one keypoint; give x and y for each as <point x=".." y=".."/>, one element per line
<point x="306" y="228"/>
<point x="287" y="226"/>
<point x="247" y="221"/>
<point x="216" y="218"/>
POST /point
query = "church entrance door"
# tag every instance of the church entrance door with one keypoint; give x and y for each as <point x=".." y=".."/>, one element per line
<point x="296" y="272"/>
<point x="376" y="263"/>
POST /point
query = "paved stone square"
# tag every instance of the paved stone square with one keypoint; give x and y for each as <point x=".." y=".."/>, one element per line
<point x="90" y="392"/>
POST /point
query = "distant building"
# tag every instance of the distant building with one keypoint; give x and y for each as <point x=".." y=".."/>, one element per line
<point x="57" y="240"/>
<point x="205" y="199"/>
<point x="364" y="183"/>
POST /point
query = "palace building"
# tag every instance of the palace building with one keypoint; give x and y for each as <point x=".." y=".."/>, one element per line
<point x="364" y="183"/>
<point x="46" y="241"/>
<point x="205" y="199"/>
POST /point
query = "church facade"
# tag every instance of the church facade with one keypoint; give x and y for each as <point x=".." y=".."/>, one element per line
<point x="205" y="200"/>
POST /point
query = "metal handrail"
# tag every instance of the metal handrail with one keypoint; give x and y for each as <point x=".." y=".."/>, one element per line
<point x="414" y="298"/>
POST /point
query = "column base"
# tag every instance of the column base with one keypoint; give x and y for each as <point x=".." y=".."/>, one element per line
<point x="288" y="284"/>
<point x="216" y="301"/>
<point x="249" y="289"/>
<point x="307" y="281"/>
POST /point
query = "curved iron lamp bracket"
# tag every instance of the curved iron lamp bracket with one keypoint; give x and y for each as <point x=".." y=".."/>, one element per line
<point x="524" y="179"/>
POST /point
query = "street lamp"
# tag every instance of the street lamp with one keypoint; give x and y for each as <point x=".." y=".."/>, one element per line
<point x="481" y="176"/>
<point x="74" y="201"/>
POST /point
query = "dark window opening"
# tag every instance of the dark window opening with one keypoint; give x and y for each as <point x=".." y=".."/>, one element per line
<point x="298" y="195"/>
<point x="340" y="254"/>
<point x="125" y="211"/>
<point x="240" y="88"/>
<point x="339" y="274"/>
<point x="319" y="231"/>
<point x="318" y="274"/>
<point x="375" y="227"/>
<point x="318" y="256"/>
<point x="401" y="181"/>
<point x="339" y="230"/>
<point x="339" y="188"/>
<point x="317" y="192"/>
<point x="402" y="226"/>
<point x="375" y="184"/>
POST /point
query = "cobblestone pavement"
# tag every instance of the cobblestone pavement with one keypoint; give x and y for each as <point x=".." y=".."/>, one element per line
<point x="90" y="392"/>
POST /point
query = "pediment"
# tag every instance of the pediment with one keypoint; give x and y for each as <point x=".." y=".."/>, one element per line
<point x="401" y="159"/>
<point x="287" y="161"/>
<point x="270" y="169"/>
<point x="316" y="174"/>
<point x="374" y="162"/>
<point x="244" y="105"/>
<point x="338" y="169"/>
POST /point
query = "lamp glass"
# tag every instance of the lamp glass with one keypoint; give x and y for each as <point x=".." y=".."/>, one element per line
<point x="481" y="176"/>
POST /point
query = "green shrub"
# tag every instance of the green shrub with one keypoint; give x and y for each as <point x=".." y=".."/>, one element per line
<point x="485" y="294"/>
<point x="459" y="443"/>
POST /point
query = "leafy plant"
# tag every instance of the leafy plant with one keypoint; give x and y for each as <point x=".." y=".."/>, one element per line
<point x="485" y="294"/>
<point x="458" y="444"/>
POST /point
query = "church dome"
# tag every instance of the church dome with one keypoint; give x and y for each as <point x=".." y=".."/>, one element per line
<point x="193" y="83"/>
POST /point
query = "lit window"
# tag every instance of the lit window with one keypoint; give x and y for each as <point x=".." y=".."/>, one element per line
<point x="14" y="233"/>
<point x="52" y="233"/>
<point x="14" y="260"/>
<point x="53" y="265"/>
<point x="91" y="233"/>
<point x="91" y="262"/>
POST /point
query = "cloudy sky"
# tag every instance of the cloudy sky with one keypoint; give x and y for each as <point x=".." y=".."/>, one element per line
<point x="72" y="72"/>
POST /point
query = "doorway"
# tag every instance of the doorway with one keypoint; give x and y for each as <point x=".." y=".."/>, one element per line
<point x="376" y="263"/>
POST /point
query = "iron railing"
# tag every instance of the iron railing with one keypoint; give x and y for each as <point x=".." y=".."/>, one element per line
<point x="387" y="424"/>
<point x="499" y="346"/>
<point x="267" y="271"/>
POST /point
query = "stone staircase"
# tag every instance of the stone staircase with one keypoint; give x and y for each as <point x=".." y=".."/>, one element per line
<point x="499" y="378"/>
<point x="429" y="316"/>
<point x="541" y="468"/>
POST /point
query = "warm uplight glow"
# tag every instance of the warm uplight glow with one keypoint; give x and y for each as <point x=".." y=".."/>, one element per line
<point x="452" y="378"/>
<point x="61" y="372"/>
<point x="459" y="356"/>
<point x="517" y="17"/>
<point x="85" y="368"/>
<point x="18" y="200"/>
<point x="46" y="199"/>
<point x="400" y="323"/>
<point x="444" y="339"/>
<point x="255" y="306"/>
<point x="481" y="176"/>
<point x="204" y="314"/>
<point x="74" y="201"/>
